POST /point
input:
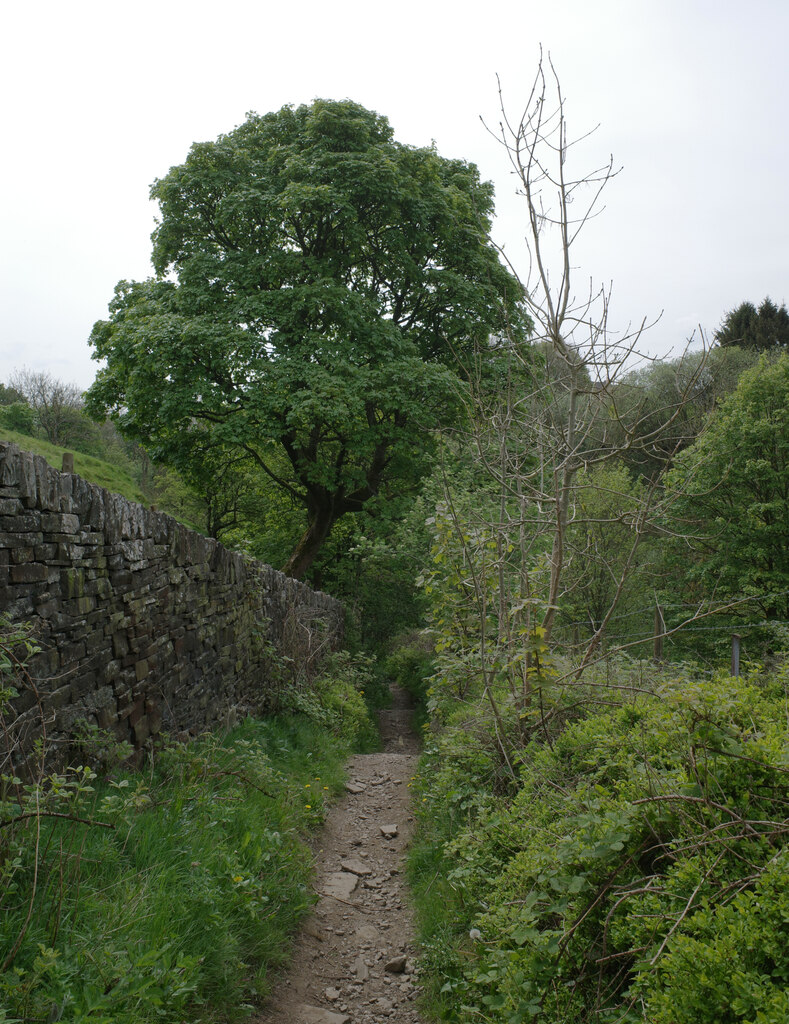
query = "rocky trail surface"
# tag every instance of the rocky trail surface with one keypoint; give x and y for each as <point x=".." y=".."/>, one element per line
<point x="353" y="962"/>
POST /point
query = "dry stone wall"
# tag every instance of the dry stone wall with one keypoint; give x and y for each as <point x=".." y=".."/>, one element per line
<point x="143" y="625"/>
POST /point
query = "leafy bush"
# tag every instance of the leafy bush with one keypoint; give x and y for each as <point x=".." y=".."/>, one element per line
<point x="732" y="962"/>
<point x="335" y="699"/>
<point x="18" y="416"/>
<point x="410" y="665"/>
<point x="635" y="871"/>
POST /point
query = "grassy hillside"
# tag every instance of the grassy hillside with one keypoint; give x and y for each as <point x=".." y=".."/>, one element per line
<point x="95" y="471"/>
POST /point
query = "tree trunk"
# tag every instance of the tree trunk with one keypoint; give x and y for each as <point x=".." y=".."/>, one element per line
<point x="310" y="543"/>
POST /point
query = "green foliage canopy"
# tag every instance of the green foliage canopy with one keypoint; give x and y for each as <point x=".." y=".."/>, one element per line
<point x="764" y="328"/>
<point x="9" y="395"/>
<point x="315" y="281"/>
<point x="607" y="502"/>
<point x="734" y="492"/>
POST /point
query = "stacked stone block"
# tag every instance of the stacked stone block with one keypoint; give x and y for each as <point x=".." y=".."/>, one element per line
<point x="143" y="625"/>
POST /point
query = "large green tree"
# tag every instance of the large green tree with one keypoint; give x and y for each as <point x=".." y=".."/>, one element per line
<point x="733" y="494"/>
<point x="315" y="282"/>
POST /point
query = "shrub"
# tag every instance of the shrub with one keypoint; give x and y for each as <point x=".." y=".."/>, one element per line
<point x="18" y="416"/>
<point x="335" y="699"/>
<point x="638" y="860"/>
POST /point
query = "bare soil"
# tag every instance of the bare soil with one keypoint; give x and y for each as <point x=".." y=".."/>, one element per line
<point x="352" y="963"/>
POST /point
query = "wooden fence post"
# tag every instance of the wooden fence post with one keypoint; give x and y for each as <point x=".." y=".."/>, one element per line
<point x="735" y="654"/>
<point x="659" y="631"/>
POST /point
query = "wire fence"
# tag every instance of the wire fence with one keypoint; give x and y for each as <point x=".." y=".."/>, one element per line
<point x="730" y="621"/>
<point x="697" y="609"/>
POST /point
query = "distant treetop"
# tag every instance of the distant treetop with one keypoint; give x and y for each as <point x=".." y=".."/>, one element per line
<point x="764" y="328"/>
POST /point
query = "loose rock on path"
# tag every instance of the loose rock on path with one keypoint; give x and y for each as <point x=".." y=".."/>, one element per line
<point x="353" y="963"/>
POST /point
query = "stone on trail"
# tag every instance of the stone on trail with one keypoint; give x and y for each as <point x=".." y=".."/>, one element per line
<point x="314" y="929"/>
<point x="355" y="787"/>
<point x="396" y="965"/>
<point x="340" y="884"/>
<point x="317" y="1015"/>
<point x="389" y="831"/>
<point x="356" y="867"/>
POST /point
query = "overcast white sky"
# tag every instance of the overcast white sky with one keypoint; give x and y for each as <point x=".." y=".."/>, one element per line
<point x="100" y="98"/>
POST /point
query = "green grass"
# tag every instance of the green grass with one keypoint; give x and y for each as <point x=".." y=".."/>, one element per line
<point x="181" y="908"/>
<point x="95" y="471"/>
<point x="440" y="915"/>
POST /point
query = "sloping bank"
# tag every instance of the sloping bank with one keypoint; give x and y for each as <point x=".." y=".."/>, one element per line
<point x="165" y="894"/>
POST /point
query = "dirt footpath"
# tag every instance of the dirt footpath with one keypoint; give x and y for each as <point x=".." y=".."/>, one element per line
<point x="353" y="961"/>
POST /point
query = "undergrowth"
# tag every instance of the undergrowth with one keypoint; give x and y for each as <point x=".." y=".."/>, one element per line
<point x="628" y="863"/>
<point x="168" y="894"/>
<point x="409" y="664"/>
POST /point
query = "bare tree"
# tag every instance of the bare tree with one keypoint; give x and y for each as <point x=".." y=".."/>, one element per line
<point x="549" y="410"/>
<point x="57" y="405"/>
